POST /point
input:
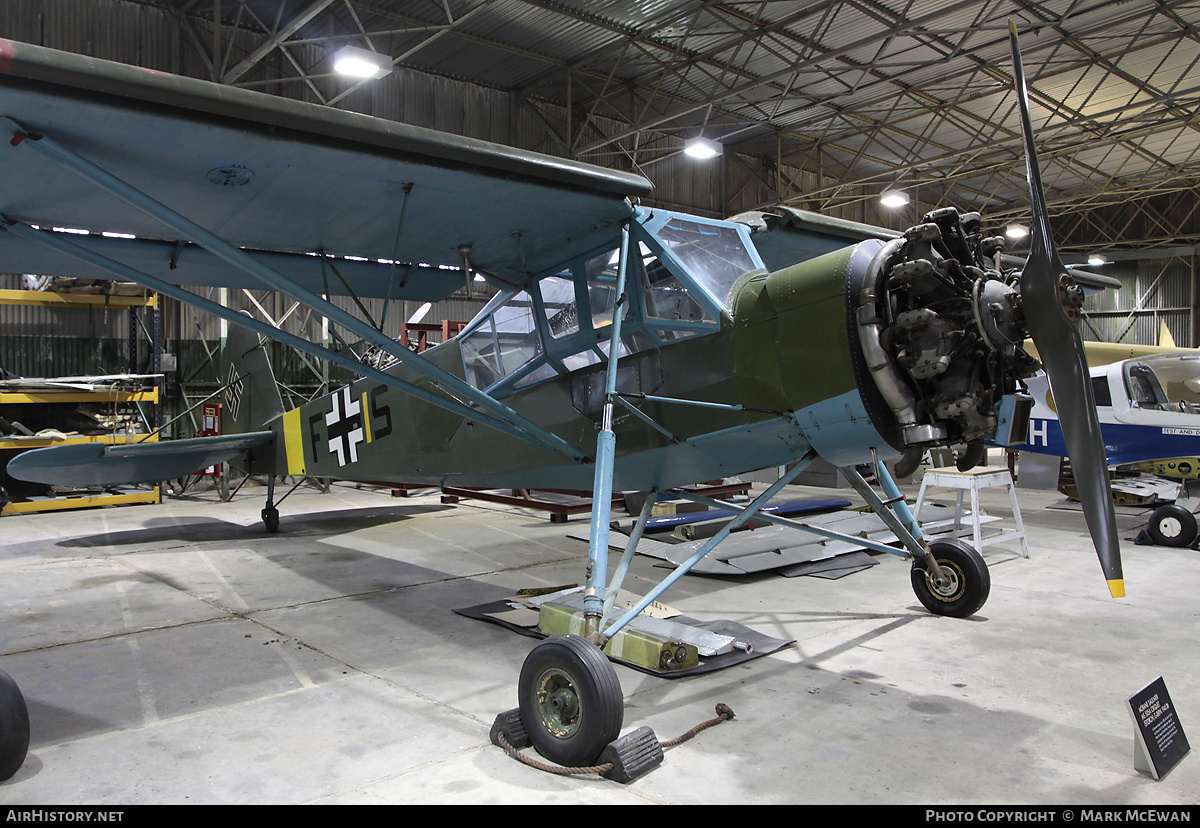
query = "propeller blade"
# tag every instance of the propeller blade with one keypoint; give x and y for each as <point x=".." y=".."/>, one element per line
<point x="1051" y="302"/>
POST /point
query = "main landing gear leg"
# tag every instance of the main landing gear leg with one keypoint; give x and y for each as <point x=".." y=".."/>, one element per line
<point x="569" y="696"/>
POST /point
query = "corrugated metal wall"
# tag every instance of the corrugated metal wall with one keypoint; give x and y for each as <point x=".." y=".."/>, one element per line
<point x="1152" y="291"/>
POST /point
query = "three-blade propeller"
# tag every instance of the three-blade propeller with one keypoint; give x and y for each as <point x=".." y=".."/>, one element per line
<point x="1051" y="300"/>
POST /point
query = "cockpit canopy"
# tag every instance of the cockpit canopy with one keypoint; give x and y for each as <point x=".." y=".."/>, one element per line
<point x="681" y="271"/>
<point x="1164" y="382"/>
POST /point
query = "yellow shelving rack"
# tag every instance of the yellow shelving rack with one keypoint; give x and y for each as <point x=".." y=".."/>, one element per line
<point x="64" y="300"/>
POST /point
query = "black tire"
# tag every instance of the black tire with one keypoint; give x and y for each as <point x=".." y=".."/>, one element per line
<point x="570" y="700"/>
<point x="968" y="580"/>
<point x="14" y="727"/>
<point x="1172" y="525"/>
<point x="270" y="519"/>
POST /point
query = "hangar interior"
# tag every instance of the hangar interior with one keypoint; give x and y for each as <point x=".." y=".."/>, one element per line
<point x="171" y="651"/>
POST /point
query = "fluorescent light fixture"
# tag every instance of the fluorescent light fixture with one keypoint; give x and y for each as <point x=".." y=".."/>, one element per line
<point x="703" y="148"/>
<point x="1097" y="259"/>
<point x="1016" y="231"/>
<point x="361" y="63"/>
<point x="893" y="198"/>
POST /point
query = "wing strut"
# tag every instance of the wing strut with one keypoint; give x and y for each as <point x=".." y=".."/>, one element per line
<point x="270" y="278"/>
<point x="124" y="272"/>
<point x="743" y="515"/>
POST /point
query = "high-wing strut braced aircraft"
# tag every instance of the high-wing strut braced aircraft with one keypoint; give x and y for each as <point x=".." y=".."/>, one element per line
<point x="628" y="347"/>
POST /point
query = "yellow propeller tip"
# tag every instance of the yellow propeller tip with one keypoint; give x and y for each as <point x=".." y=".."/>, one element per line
<point x="1117" y="588"/>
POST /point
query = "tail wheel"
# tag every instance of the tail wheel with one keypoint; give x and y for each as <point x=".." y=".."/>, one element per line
<point x="1172" y="525"/>
<point x="965" y="582"/>
<point x="14" y="727"/>
<point x="570" y="700"/>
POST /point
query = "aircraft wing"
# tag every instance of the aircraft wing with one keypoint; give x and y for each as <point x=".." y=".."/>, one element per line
<point x="283" y="179"/>
<point x="96" y="464"/>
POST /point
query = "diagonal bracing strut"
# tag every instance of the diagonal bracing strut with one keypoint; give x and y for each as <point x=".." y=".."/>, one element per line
<point x="272" y="279"/>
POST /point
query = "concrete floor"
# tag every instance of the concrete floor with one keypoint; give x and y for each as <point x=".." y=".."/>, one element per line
<point x="175" y="653"/>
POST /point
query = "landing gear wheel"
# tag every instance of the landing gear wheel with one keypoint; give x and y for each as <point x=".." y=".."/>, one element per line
<point x="570" y="700"/>
<point x="270" y="517"/>
<point x="1172" y="525"/>
<point x="14" y="727"/>
<point x="966" y="580"/>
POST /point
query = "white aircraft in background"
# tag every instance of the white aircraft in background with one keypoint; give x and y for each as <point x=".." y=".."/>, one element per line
<point x="1149" y="411"/>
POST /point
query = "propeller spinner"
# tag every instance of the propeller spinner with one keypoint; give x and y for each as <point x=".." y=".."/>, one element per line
<point x="1051" y="302"/>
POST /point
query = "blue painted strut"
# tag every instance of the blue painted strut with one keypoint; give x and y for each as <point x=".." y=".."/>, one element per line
<point x="269" y="278"/>
<point x="129" y="274"/>
<point x="606" y="450"/>
<point x="686" y="566"/>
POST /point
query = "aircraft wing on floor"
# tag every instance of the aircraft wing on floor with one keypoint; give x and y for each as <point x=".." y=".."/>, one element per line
<point x="96" y="464"/>
<point x="283" y="179"/>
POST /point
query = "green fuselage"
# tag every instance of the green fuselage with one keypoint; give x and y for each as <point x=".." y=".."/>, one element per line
<point x="782" y="352"/>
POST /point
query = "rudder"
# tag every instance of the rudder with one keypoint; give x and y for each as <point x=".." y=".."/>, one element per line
<point x="251" y="400"/>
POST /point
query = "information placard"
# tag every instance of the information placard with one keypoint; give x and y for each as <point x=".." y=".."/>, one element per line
<point x="1158" y="739"/>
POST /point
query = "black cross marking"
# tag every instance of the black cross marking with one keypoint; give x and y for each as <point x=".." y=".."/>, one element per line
<point x="345" y="426"/>
<point x="233" y="392"/>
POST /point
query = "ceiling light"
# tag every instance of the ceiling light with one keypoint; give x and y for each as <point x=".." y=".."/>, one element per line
<point x="1016" y="231"/>
<point x="893" y="198"/>
<point x="1097" y="259"/>
<point x="703" y="148"/>
<point x="360" y="63"/>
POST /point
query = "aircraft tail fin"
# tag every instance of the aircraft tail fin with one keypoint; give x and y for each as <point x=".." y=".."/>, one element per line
<point x="1165" y="340"/>
<point x="251" y="400"/>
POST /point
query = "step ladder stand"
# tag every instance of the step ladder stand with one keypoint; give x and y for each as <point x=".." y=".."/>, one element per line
<point x="972" y="481"/>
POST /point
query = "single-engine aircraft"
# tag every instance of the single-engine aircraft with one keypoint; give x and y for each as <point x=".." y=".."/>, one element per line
<point x="1149" y="414"/>
<point x="629" y="346"/>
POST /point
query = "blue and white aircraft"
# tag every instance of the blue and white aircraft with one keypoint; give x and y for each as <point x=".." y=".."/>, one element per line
<point x="1149" y="410"/>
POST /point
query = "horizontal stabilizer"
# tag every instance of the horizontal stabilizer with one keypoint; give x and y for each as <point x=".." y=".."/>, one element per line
<point x="96" y="464"/>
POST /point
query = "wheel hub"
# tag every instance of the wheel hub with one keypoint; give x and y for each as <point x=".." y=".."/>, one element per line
<point x="1170" y="527"/>
<point x="950" y="585"/>
<point x="558" y="703"/>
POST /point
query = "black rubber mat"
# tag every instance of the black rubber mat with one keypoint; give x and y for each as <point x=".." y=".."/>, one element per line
<point x="760" y="644"/>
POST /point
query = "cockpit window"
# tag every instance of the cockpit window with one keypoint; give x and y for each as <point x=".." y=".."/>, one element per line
<point x="680" y="273"/>
<point x="714" y="254"/>
<point x="558" y="300"/>
<point x="505" y="341"/>
<point x="666" y="297"/>
<point x="1165" y="383"/>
